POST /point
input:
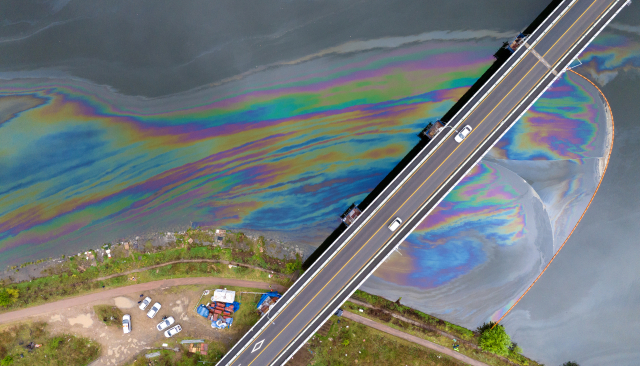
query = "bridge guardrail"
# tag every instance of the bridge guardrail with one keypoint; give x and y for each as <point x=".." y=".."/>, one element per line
<point x="494" y="83"/>
<point x="333" y="251"/>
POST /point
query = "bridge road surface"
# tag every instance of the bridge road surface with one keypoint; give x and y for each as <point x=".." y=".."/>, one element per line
<point x="418" y="189"/>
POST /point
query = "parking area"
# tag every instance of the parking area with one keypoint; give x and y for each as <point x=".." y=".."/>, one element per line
<point x="179" y="302"/>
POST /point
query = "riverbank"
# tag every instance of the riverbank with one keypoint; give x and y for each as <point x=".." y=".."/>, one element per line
<point x="191" y="253"/>
<point x="195" y="255"/>
<point x="274" y="245"/>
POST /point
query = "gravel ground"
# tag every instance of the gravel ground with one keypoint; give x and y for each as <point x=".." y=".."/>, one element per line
<point x="76" y="315"/>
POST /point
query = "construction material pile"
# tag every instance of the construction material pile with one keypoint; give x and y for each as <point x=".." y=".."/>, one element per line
<point x="221" y="308"/>
<point x="266" y="300"/>
<point x="219" y="313"/>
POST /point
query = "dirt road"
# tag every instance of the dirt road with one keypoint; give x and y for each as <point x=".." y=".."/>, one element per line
<point x="108" y="294"/>
<point x="218" y="261"/>
<point x="58" y="306"/>
<point x="408" y="337"/>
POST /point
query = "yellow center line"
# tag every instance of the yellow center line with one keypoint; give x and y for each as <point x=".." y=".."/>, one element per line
<point x="380" y="228"/>
<point x="420" y="185"/>
<point x="283" y="329"/>
<point x="565" y="32"/>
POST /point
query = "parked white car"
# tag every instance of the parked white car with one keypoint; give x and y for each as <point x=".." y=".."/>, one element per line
<point x="395" y="224"/>
<point x="154" y="310"/>
<point x="463" y="134"/>
<point x="165" y="323"/>
<point x="143" y="305"/>
<point x="173" y="331"/>
<point x="126" y="323"/>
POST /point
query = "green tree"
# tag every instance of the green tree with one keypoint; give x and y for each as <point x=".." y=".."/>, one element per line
<point x="495" y="340"/>
<point x="8" y="296"/>
<point x="570" y="363"/>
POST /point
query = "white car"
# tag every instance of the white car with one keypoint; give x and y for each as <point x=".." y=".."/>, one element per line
<point x="143" y="305"/>
<point x="395" y="224"/>
<point x="126" y="323"/>
<point x="165" y="323"/>
<point x="462" y="134"/>
<point x="173" y="331"/>
<point x="154" y="310"/>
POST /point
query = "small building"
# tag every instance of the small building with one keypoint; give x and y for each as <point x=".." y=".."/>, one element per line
<point x="220" y="234"/>
<point x="350" y="214"/>
<point x="223" y="296"/>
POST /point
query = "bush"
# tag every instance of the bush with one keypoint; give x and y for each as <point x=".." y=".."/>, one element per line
<point x="570" y="363"/>
<point x="515" y="355"/>
<point x="54" y="343"/>
<point x="515" y="348"/>
<point x="6" y="361"/>
<point x="110" y="315"/>
<point x="292" y="267"/>
<point x="8" y="296"/>
<point x="495" y="340"/>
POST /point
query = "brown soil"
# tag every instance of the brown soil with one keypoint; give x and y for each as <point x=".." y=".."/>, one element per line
<point x="244" y="255"/>
<point x="107" y="295"/>
<point x="119" y="348"/>
<point x="78" y="317"/>
<point x="302" y="358"/>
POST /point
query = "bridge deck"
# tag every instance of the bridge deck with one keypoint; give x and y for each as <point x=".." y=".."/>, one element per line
<point x="419" y="188"/>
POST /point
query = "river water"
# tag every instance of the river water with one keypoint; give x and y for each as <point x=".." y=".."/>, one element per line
<point x="123" y="118"/>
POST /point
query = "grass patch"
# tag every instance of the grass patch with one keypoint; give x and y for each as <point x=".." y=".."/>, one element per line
<point x="63" y="349"/>
<point x="432" y="329"/>
<point x="413" y="314"/>
<point x="78" y="276"/>
<point x="183" y="358"/>
<point x="110" y="315"/>
<point x="350" y="343"/>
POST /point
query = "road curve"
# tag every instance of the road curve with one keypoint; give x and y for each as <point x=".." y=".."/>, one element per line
<point x="52" y="307"/>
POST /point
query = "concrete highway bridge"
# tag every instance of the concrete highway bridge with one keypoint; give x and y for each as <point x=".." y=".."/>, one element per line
<point x="538" y="60"/>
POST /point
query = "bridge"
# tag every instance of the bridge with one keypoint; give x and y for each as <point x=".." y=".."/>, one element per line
<point x="540" y="58"/>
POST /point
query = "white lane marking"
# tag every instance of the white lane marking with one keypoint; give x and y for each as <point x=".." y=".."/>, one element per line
<point x="544" y="62"/>
<point x="257" y="346"/>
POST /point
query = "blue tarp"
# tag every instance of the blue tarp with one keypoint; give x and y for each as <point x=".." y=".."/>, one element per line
<point x="236" y="306"/>
<point x="202" y="310"/>
<point x="268" y="294"/>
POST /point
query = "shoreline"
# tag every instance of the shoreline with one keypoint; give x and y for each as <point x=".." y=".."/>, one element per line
<point x="275" y="246"/>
